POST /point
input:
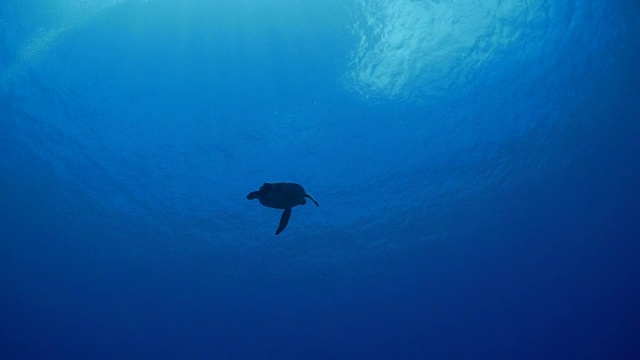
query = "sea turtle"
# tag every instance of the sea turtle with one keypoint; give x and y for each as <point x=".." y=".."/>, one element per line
<point x="281" y="196"/>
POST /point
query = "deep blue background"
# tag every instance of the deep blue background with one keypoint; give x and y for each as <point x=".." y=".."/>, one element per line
<point x="477" y="167"/>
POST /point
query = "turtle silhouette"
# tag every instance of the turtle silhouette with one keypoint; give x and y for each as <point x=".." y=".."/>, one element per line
<point x="281" y="195"/>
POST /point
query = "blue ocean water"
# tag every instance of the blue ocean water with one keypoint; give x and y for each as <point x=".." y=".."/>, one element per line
<point x="476" y="163"/>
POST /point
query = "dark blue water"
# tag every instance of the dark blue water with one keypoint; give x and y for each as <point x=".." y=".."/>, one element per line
<point x="476" y="163"/>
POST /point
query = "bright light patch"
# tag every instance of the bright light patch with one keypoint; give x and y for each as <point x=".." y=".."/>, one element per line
<point x="409" y="49"/>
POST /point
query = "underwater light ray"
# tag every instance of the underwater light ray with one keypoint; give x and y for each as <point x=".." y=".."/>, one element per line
<point x="38" y="45"/>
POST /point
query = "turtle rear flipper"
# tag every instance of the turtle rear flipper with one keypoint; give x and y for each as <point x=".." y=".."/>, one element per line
<point x="284" y="220"/>
<point x="312" y="199"/>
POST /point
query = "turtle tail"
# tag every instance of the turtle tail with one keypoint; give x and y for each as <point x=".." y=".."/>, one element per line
<point x="312" y="199"/>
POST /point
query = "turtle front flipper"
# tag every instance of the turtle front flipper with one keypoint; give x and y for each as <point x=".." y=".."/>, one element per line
<point x="284" y="220"/>
<point x="312" y="199"/>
